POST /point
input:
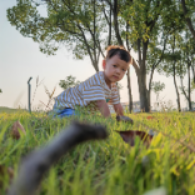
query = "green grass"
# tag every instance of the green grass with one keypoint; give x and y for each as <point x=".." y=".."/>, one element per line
<point x="109" y="167"/>
<point x="9" y="110"/>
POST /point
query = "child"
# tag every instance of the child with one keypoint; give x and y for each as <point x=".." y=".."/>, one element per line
<point x="98" y="90"/>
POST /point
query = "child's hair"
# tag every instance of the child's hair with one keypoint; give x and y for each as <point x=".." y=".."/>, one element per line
<point x="118" y="50"/>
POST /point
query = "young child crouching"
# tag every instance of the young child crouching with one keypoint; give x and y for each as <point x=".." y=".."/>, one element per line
<point x="100" y="89"/>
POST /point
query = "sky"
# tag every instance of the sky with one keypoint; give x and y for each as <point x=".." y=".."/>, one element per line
<point x="20" y="59"/>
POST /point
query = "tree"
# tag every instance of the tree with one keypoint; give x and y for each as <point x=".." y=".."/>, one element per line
<point x="154" y="58"/>
<point x="1" y="91"/>
<point x="170" y="65"/>
<point x="75" y="24"/>
<point x="69" y="82"/>
<point x="86" y="27"/>
<point x="83" y="26"/>
<point x="183" y="15"/>
<point x="140" y="24"/>
<point x="188" y="7"/>
<point x="184" y="91"/>
<point x="157" y="87"/>
<point x="175" y="25"/>
<point x="187" y="50"/>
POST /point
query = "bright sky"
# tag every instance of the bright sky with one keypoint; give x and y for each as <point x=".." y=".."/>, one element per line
<point x="21" y="59"/>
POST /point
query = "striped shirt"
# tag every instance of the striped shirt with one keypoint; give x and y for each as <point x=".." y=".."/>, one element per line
<point x="87" y="92"/>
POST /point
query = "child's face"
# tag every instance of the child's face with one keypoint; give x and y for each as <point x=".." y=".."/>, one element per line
<point x="114" y="68"/>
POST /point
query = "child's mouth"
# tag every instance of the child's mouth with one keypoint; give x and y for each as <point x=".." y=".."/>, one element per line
<point x="115" y="77"/>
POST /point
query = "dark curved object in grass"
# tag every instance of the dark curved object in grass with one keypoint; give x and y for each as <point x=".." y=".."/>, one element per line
<point x="36" y="164"/>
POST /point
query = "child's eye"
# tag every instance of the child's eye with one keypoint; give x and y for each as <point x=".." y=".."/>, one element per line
<point x="114" y="66"/>
<point x="124" y="70"/>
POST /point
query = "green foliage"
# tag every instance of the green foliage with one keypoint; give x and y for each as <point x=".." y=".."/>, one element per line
<point x="68" y="23"/>
<point x="107" y="167"/>
<point x="157" y="87"/>
<point x="69" y="82"/>
<point x="1" y="91"/>
<point x="87" y="27"/>
<point x="172" y="57"/>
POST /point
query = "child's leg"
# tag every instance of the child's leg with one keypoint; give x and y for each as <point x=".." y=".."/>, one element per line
<point x="65" y="113"/>
<point x="56" y="112"/>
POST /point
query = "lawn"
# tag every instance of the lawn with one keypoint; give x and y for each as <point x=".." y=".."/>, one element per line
<point x="9" y="110"/>
<point x="109" y="166"/>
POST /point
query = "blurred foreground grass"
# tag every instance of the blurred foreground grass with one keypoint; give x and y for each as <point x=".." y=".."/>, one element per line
<point x="108" y="167"/>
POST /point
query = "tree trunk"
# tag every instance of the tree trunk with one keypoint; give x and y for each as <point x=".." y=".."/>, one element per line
<point x="189" y="87"/>
<point x="129" y="90"/>
<point x="143" y="93"/>
<point x="174" y="78"/>
<point x="176" y="88"/>
<point x="128" y="73"/>
<point x="150" y="84"/>
<point x="182" y="88"/>
<point x="116" y="24"/>
<point x="193" y="72"/>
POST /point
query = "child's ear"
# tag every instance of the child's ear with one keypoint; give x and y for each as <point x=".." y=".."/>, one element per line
<point x="104" y="64"/>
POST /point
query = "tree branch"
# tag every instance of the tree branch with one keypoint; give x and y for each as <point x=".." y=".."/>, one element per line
<point x="188" y="20"/>
<point x="127" y="40"/>
<point x="134" y="64"/>
<point x="116" y="25"/>
<point x="182" y="88"/>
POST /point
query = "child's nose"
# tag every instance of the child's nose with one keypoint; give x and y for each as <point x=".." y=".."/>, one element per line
<point x="118" y="71"/>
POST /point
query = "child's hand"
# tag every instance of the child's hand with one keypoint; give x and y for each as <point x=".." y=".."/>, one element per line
<point x="124" y="119"/>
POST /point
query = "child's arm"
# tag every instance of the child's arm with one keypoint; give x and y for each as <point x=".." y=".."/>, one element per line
<point x="103" y="107"/>
<point x="118" y="109"/>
